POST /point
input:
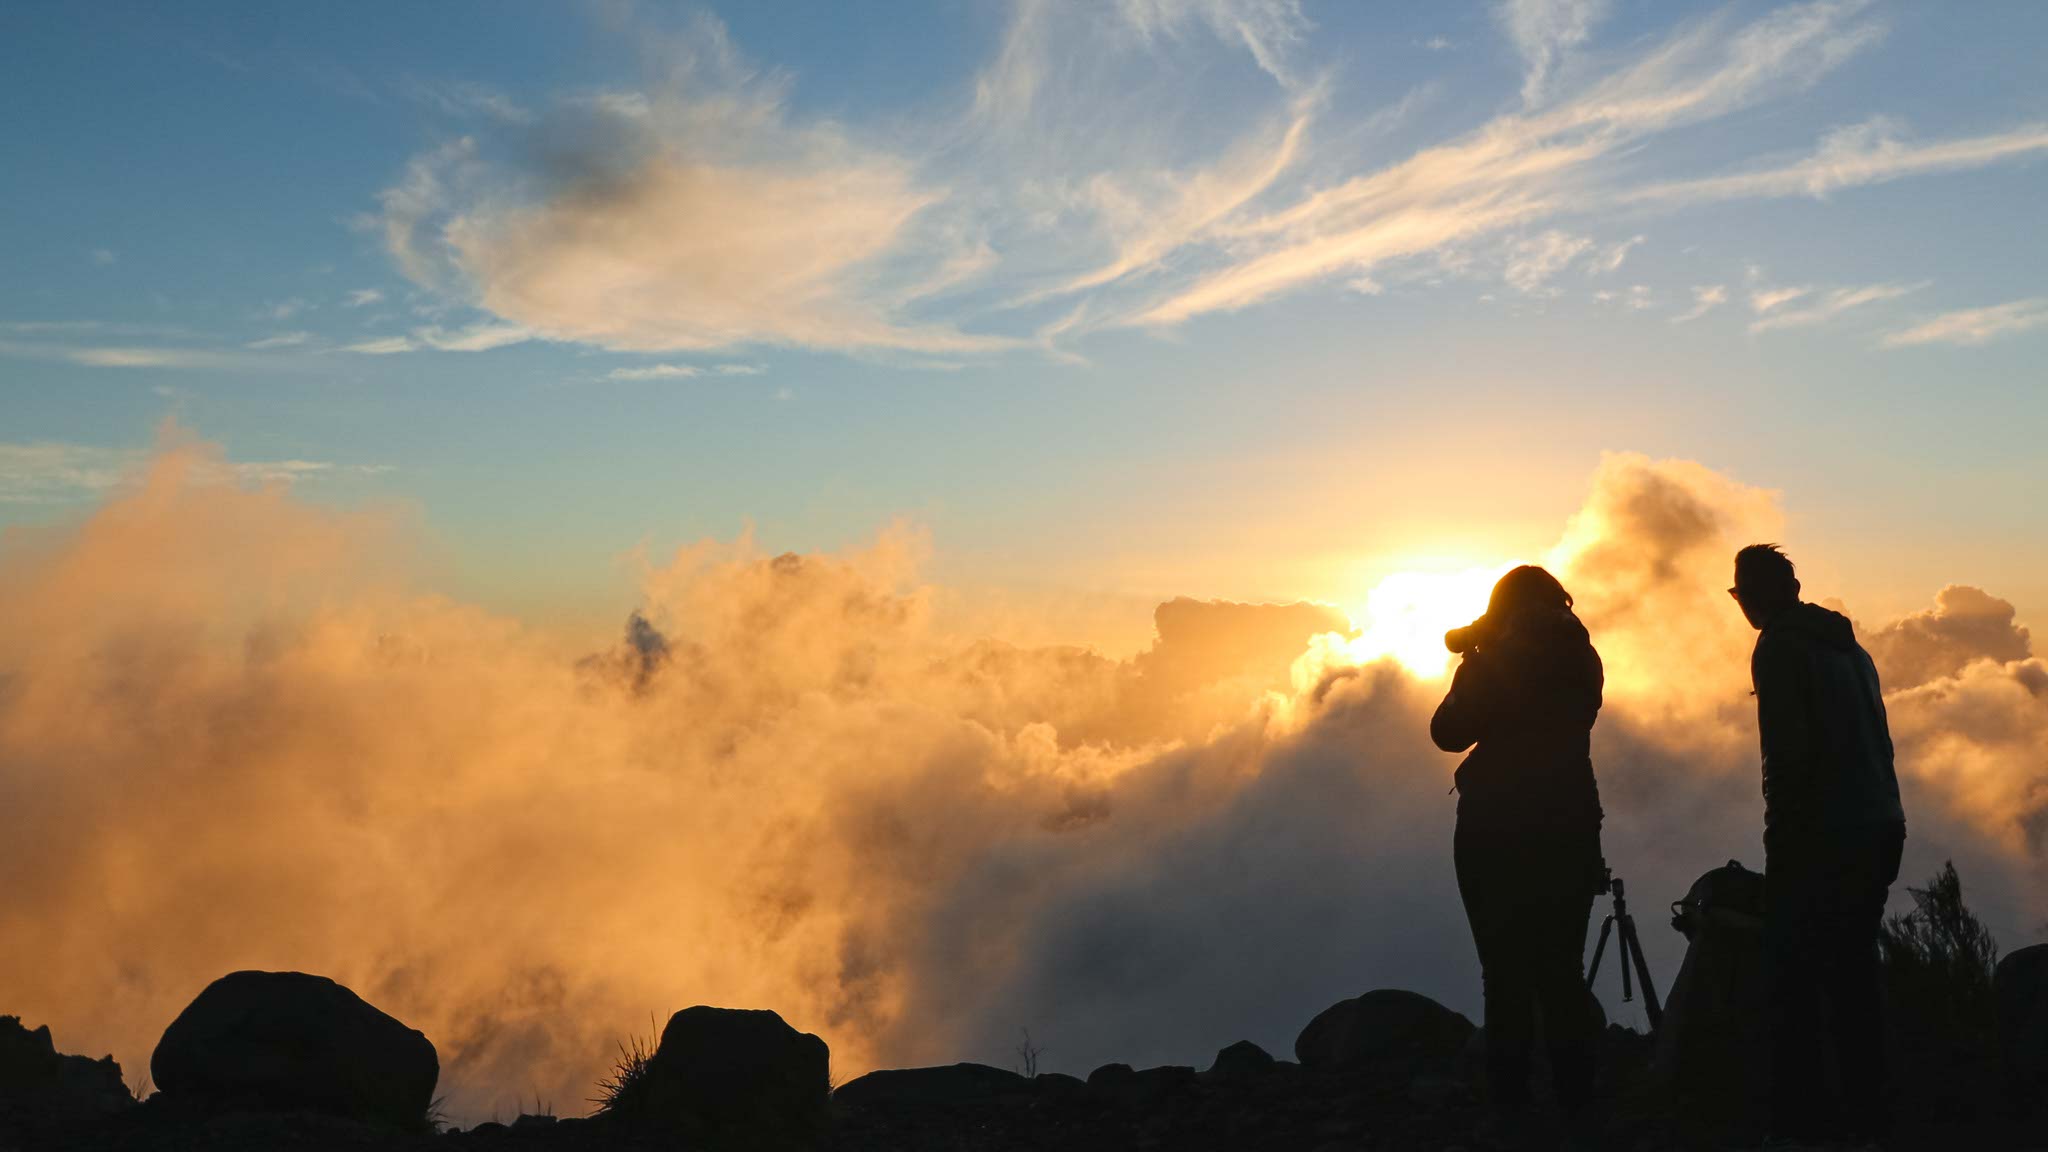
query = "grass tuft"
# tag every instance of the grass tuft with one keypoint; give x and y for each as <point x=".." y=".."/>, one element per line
<point x="625" y="1089"/>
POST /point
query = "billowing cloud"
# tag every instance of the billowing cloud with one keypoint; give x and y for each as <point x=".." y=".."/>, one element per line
<point x="1972" y="326"/>
<point x="1965" y="625"/>
<point x="786" y="785"/>
<point x="694" y="215"/>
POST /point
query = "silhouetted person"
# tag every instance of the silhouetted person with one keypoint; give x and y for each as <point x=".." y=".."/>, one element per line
<point x="1833" y="830"/>
<point x="1528" y="839"/>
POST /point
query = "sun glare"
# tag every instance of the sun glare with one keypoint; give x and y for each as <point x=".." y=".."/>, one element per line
<point x="1407" y="614"/>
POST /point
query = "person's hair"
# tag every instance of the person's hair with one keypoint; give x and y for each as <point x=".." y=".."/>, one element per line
<point x="1762" y="571"/>
<point x="1525" y="588"/>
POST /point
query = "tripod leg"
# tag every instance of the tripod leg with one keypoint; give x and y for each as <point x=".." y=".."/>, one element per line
<point x="1621" y="944"/>
<point x="1635" y="947"/>
<point x="1593" y="969"/>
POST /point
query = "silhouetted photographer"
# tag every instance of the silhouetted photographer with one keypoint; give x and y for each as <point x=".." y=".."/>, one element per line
<point x="1528" y="839"/>
<point x="1833" y="832"/>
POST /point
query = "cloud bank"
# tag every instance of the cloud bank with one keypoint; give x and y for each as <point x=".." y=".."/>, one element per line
<point x="786" y="786"/>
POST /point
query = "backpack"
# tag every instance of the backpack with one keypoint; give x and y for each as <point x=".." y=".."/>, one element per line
<point x="1730" y="890"/>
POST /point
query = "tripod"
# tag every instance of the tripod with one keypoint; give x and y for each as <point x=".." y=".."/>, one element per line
<point x="1631" y="950"/>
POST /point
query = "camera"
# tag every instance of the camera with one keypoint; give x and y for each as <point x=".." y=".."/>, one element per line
<point x="1465" y="641"/>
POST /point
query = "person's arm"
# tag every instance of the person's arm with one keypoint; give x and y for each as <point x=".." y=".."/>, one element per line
<point x="1784" y="719"/>
<point x="1458" y="720"/>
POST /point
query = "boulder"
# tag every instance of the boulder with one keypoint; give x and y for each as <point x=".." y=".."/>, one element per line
<point x="1243" y="1058"/>
<point x="287" y="1041"/>
<point x="947" y="1085"/>
<point x="735" y="1076"/>
<point x="1386" y="1026"/>
<point x="2020" y="988"/>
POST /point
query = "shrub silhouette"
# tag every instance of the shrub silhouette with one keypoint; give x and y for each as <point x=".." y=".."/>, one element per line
<point x="1938" y="961"/>
<point x="625" y="1090"/>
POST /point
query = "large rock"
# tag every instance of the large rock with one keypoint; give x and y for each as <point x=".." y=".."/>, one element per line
<point x="2020" y="987"/>
<point x="287" y="1041"/>
<point x="947" y="1085"/>
<point x="735" y="1076"/>
<point x="1386" y="1026"/>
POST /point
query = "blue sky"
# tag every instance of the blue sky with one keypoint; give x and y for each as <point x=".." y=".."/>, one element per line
<point x="1224" y="297"/>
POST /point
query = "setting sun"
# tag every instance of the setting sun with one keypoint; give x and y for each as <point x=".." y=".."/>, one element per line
<point x="1407" y="613"/>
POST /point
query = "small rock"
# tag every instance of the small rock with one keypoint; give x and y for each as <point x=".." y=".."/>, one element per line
<point x="1059" y="1085"/>
<point x="1243" y="1058"/>
<point x="35" y="1076"/>
<point x="949" y="1084"/>
<point x="1109" y="1075"/>
<point x="1386" y="1025"/>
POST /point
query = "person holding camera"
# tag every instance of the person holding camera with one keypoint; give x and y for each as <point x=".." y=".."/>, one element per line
<point x="1527" y="846"/>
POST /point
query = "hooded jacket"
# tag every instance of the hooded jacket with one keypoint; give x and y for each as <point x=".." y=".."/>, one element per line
<point x="1527" y="698"/>
<point x="1827" y="748"/>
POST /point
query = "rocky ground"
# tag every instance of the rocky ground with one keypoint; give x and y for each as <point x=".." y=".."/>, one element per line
<point x="286" y="1061"/>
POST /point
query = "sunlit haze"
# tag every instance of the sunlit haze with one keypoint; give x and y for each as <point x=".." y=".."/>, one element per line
<point x="940" y="518"/>
<point x="1407" y="613"/>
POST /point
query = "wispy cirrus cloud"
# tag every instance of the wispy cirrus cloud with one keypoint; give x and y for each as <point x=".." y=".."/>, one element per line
<point x="656" y="372"/>
<point x="1766" y="299"/>
<point x="1873" y="152"/>
<point x="97" y="355"/>
<point x="1973" y="326"/>
<point x="281" y="340"/>
<point x="59" y="472"/>
<point x="682" y="371"/>
<point x="1544" y="31"/>
<point x="1705" y="298"/>
<point x="1830" y="306"/>
<point x="1533" y="260"/>
<point x="1522" y="167"/>
<point x="1091" y="178"/>
<point x="479" y="337"/>
<point x="1611" y="258"/>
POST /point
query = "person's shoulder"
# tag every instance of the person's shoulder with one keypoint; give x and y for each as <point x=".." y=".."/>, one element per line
<point x="1778" y="642"/>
